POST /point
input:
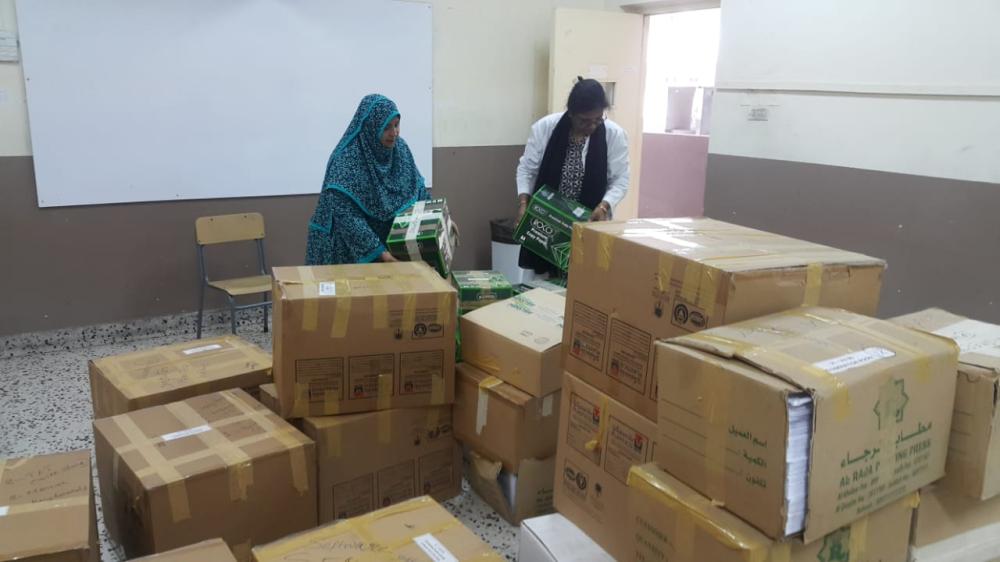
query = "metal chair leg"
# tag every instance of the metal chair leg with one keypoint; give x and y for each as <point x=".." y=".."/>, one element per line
<point x="232" y="313"/>
<point x="265" y="307"/>
<point x="201" y="307"/>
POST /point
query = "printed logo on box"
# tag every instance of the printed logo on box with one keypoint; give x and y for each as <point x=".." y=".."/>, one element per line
<point x="891" y="405"/>
<point x="687" y="316"/>
<point x="575" y="481"/>
<point x="836" y="546"/>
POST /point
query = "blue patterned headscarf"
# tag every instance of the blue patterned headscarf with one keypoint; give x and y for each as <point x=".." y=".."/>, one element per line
<point x="381" y="181"/>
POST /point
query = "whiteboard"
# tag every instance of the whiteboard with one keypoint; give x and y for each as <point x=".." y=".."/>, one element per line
<point x="924" y="47"/>
<point x="147" y="100"/>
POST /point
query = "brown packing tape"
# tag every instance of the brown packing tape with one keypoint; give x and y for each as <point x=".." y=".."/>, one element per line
<point x="445" y="309"/>
<point x="717" y="400"/>
<point x="919" y="356"/>
<point x="437" y="389"/>
<point x="780" y="552"/>
<point x="310" y="299"/>
<point x="597" y="442"/>
<point x="383" y="403"/>
<point x="913" y="501"/>
<point x="858" y="549"/>
<point x="46" y="505"/>
<point x="409" y="313"/>
<point x="605" y="250"/>
<point x="700" y="286"/>
<point x="342" y="313"/>
<point x="684" y="535"/>
<point x="576" y="245"/>
<point x="665" y="272"/>
<point x="296" y="449"/>
<point x="485" y="362"/>
<point x="238" y="464"/>
<point x="814" y="284"/>
<point x="331" y="402"/>
<point x="334" y="440"/>
<point x="380" y="312"/>
<point x="483" y="401"/>
<point x="241" y="551"/>
<point x="180" y="508"/>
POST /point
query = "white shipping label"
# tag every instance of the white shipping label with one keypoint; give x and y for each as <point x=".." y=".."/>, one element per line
<point x="434" y="549"/>
<point x="185" y="433"/>
<point x="973" y="336"/>
<point x="4" y="509"/>
<point x="202" y="349"/>
<point x="327" y="289"/>
<point x="854" y="360"/>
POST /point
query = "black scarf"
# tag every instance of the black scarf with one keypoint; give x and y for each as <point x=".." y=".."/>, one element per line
<point x="595" y="176"/>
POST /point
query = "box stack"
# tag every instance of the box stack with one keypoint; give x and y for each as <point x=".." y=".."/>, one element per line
<point x="365" y="354"/>
<point x="215" y="550"/>
<point x="635" y="282"/>
<point x="507" y="401"/>
<point x="959" y="517"/>
<point x="424" y="232"/>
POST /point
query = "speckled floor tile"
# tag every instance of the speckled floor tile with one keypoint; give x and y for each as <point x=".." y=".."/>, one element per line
<point x="45" y="401"/>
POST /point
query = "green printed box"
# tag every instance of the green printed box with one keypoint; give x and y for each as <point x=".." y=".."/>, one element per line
<point x="814" y="411"/>
<point x="424" y="232"/>
<point x="547" y="227"/>
<point x="480" y="288"/>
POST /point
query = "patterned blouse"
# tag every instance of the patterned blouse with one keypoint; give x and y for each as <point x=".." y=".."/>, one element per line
<point x="571" y="183"/>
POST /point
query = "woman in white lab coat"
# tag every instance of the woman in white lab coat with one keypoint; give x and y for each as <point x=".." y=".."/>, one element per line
<point x="580" y="153"/>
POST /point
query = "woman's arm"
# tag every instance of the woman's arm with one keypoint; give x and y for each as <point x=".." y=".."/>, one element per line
<point x="618" y="167"/>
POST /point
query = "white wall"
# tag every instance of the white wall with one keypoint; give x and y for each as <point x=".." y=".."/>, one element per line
<point x="876" y="85"/>
<point x="490" y="72"/>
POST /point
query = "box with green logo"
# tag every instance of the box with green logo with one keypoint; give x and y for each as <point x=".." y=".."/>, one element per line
<point x="547" y="226"/>
<point x="813" y="411"/>
<point x="480" y="288"/>
<point x="424" y="232"/>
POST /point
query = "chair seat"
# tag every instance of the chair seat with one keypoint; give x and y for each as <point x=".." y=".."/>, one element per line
<point x="243" y="285"/>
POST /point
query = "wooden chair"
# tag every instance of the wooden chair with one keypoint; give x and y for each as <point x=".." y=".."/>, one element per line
<point x="223" y="229"/>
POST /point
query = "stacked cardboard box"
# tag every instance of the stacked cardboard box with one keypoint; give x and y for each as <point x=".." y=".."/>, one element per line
<point x="417" y="529"/>
<point x="632" y="283"/>
<point x="507" y="401"/>
<point x="366" y="355"/>
<point x="477" y="289"/>
<point x="959" y="517"/>
<point x="210" y="466"/>
<point x="47" y="508"/>
<point x="424" y="232"/>
<point x="215" y="550"/>
<point x="161" y="375"/>
<point x="547" y="226"/>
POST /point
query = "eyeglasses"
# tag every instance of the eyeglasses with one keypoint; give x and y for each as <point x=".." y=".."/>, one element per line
<point x="593" y="121"/>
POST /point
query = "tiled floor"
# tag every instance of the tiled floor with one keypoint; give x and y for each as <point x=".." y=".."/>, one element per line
<point x="45" y="402"/>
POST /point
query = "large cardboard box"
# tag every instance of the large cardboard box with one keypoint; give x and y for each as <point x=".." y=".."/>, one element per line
<point x="600" y="439"/>
<point x="47" y="509"/>
<point x="670" y="521"/>
<point x="502" y="421"/>
<point x="216" y="465"/>
<point x="518" y="340"/>
<point x="973" y="465"/>
<point x="637" y="281"/>
<point x="546" y="228"/>
<point x="811" y="411"/>
<point x="424" y="232"/>
<point x="950" y="527"/>
<point x="376" y="459"/>
<point x="417" y="529"/>
<point x="127" y="382"/>
<point x="212" y="550"/>
<point x="357" y="338"/>
<point x="514" y="496"/>
<point x="477" y="289"/>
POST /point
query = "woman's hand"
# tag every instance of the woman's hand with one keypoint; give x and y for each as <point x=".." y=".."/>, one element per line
<point x="522" y="206"/>
<point x="387" y="257"/>
<point x="601" y="212"/>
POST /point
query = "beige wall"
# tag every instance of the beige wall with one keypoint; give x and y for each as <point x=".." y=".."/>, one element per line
<point x="491" y="61"/>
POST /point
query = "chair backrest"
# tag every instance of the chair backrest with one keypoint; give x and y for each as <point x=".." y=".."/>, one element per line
<point x="229" y="228"/>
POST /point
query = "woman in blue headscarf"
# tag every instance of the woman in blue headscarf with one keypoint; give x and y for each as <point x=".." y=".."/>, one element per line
<point x="370" y="177"/>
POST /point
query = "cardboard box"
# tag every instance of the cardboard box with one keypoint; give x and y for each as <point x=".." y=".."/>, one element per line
<point x="216" y="465"/>
<point x="214" y="550"/>
<point x="513" y="496"/>
<point x="502" y="421"/>
<point x="47" y="509"/>
<point x="547" y="226"/>
<point x="973" y="465"/>
<point x="637" y="281"/>
<point x="424" y="232"/>
<point x="859" y="407"/>
<point x="600" y="439"/>
<point x="670" y="521"/>
<point x="376" y="459"/>
<point x="477" y="289"/>
<point x="950" y="527"/>
<point x="357" y="338"/>
<point x="269" y="397"/>
<point x="170" y="373"/>
<point x="518" y="340"/>
<point x="417" y="529"/>
<point x="553" y="538"/>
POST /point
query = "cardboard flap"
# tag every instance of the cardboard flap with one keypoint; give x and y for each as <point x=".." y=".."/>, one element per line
<point x="979" y="341"/>
<point x="504" y="391"/>
<point x="538" y="309"/>
<point x="358" y="280"/>
<point x="818" y="349"/>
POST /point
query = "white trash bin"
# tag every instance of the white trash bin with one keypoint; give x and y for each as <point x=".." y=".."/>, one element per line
<point x="505" y="252"/>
